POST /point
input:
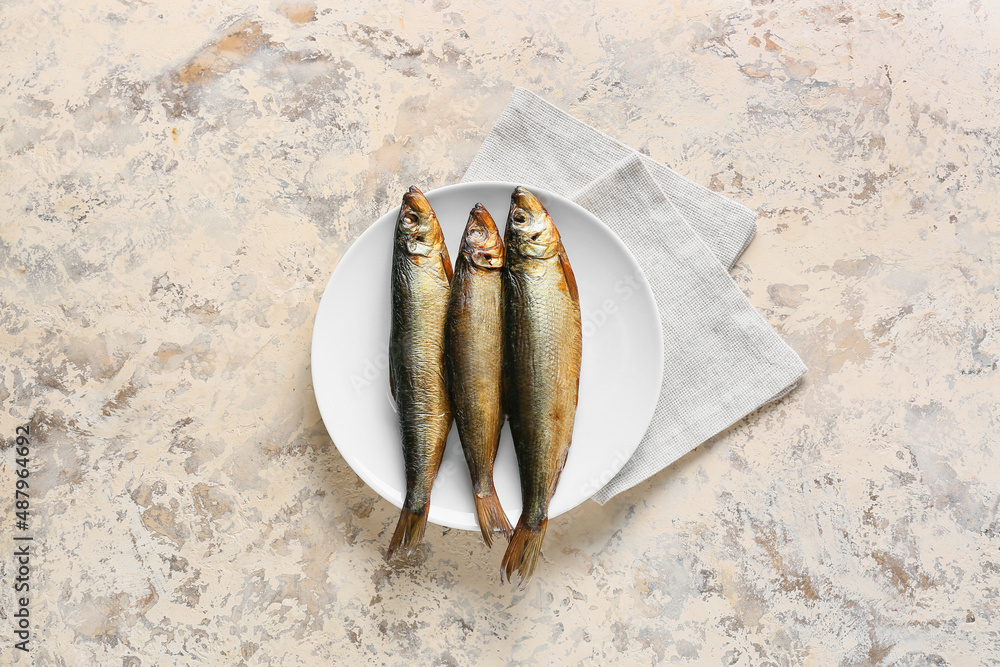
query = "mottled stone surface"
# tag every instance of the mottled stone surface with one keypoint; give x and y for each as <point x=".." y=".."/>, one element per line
<point x="178" y="182"/>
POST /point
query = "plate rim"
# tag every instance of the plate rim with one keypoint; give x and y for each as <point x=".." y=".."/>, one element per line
<point x="543" y="193"/>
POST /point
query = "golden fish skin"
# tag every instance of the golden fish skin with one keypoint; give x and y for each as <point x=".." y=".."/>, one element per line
<point x="542" y="351"/>
<point x="421" y="275"/>
<point x="474" y="361"/>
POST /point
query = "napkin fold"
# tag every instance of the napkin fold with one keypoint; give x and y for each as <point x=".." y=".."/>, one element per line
<point x="722" y="360"/>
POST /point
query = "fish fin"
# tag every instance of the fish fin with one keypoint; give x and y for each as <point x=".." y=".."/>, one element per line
<point x="559" y="471"/>
<point x="446" y="260"/>
<point x="409" y="532"/>
<point x="568" y="273"/>
<point x="392" y="382"/>
<point x="523" y="551"/>
<point x="492" y="518"/>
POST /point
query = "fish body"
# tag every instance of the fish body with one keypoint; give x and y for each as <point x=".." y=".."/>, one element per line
<point x="474" y="361"/>
<point x="542" y="353"/>
<point x="421" y="275"/>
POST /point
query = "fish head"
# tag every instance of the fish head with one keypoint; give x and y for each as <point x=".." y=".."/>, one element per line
<point x="481" y="244"/>
<point x="417" y="226"/>
<point x="530" y="229"/>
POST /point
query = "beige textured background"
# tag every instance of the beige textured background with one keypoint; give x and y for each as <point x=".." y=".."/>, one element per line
<point x="178" y="182"/>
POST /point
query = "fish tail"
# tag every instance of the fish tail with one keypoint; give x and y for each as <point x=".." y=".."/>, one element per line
<point x="409" y="531"/>
<point x="492" y="518"/>
<point x="523" y="551"/>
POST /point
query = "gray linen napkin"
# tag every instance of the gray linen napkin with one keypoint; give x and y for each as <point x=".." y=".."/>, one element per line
<point x="722" y="360"/>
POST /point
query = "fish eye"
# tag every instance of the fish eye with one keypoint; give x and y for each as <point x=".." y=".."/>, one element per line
<point x="410" y="219"/>
<point x="520" y="217"/>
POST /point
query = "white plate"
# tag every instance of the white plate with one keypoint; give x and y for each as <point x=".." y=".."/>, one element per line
<point x="619" y="378"/>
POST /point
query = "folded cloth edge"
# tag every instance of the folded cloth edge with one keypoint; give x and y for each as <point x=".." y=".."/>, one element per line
<point x="782" y="373"/>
